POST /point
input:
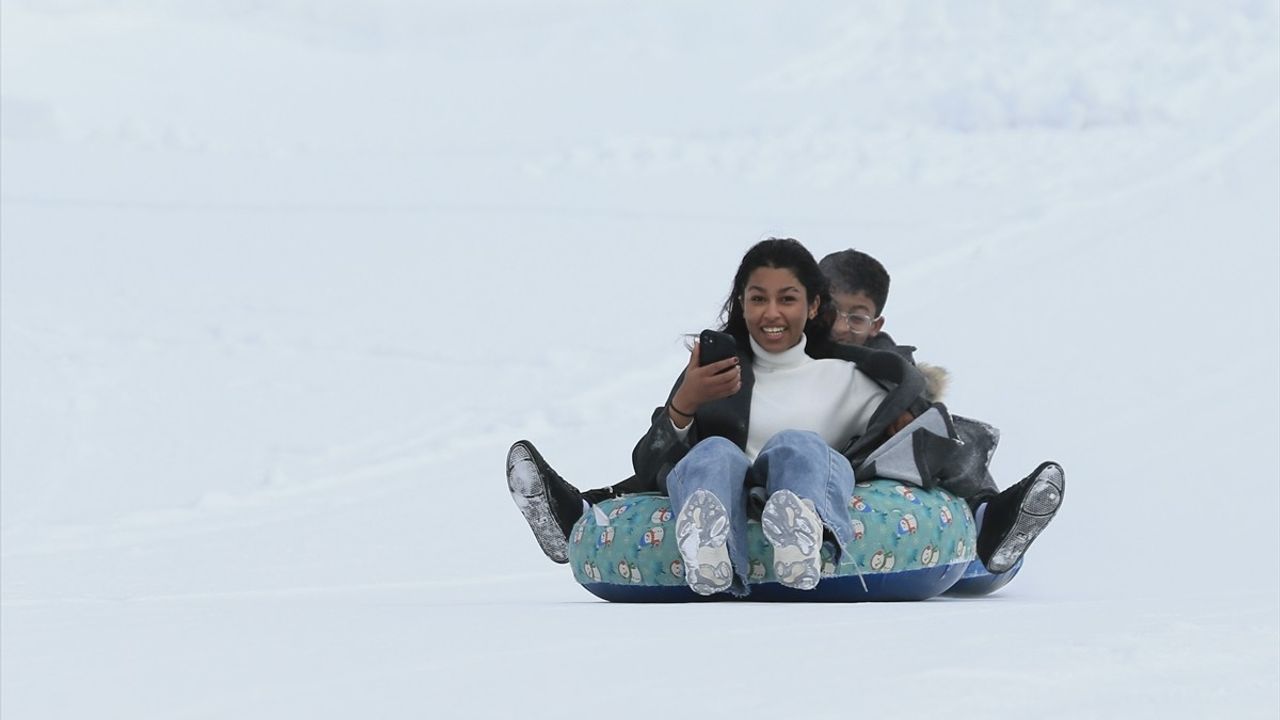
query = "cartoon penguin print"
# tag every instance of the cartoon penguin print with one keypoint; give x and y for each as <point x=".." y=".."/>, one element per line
<point x="929" y="556"/>
<point x="944" y="516"/>
<point x="907" y="525"/>
<point x="907" y="494"/>
<point x="859" y="530"/>
<point x="652" y="537"/>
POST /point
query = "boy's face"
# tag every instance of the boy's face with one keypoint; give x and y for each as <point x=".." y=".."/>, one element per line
<point x="856" y="319"/>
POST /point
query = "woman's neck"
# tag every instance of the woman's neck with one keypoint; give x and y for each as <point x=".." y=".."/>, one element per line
<point x="793" y="356"/>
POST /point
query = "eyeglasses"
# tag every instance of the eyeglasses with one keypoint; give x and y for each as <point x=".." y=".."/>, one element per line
<point x="858" y="324"/>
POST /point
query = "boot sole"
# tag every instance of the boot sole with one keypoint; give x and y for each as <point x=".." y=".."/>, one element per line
<point x="793" y="566"/>
<point x="529" y="492"/>
<point x="702" y="534"/>
<point x="1038" y="507"/>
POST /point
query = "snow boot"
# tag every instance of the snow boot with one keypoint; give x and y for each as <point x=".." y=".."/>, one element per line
<point x="550" y="505"/>
<point x="792" y="527"/>
<point x="1016" y="517"/>
<point x="702" y="534"/>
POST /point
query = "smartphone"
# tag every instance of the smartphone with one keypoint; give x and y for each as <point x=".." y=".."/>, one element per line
<point x="716" y="346"/>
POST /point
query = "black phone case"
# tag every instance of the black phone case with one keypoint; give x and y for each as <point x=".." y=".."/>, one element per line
<point x="716" y="346"/>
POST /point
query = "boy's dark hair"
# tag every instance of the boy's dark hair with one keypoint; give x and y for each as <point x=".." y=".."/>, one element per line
<point x="851" y="271"/>
<point x="783" y="253"/>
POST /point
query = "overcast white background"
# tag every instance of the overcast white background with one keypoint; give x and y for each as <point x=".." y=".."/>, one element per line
<point x="281" y="281"/>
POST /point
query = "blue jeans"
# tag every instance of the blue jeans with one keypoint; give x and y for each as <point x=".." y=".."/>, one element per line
<point x="795" y="460"/>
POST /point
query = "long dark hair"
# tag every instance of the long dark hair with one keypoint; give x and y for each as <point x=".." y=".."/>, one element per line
<point x="783" y="254"/>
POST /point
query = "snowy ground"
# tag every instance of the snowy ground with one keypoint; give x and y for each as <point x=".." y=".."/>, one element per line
<point x="281" y="281"/>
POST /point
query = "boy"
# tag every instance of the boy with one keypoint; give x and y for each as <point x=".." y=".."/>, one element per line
<point x="1008" y="521"/>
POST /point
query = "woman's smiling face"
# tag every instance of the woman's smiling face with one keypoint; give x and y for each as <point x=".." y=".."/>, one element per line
<point x="776" y="308"/>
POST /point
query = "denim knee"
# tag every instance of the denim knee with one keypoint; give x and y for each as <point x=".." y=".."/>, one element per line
<point x="800" y="439"/>
<point x="791" y="445"/>
<point x="713" y="445"/>
<point x="705" y="461"/>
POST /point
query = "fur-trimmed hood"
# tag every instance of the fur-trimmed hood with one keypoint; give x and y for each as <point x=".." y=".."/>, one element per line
<point x="936" y="377"/>
<point x="936" y="381"/>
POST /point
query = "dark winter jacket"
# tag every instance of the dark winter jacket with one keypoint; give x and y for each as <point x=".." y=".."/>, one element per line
<point x="959" y="466"/>
<point x="882" y="341"/>
<point x="661" y="448"/>
<point x="967" y="473"/>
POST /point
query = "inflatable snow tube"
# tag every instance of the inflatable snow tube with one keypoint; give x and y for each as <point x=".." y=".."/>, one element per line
<point x="909" y="544"/>
<point x="977" y="581"/>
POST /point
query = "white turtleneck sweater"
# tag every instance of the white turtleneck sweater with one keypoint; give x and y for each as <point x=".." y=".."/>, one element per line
<point x="793" y="391"/>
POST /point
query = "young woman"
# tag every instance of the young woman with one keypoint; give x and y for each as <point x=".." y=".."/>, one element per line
<point x="859" y="286"/>
<point x="769" y="424"/>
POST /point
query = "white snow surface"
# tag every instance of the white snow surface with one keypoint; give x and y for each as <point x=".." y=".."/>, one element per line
<point x="282" y="280"/>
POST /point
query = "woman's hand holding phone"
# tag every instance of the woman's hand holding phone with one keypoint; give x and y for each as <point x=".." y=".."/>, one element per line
<point x="703" y="384"/>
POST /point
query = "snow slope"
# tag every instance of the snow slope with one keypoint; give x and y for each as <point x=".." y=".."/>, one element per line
<point x="281" y="281"/>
